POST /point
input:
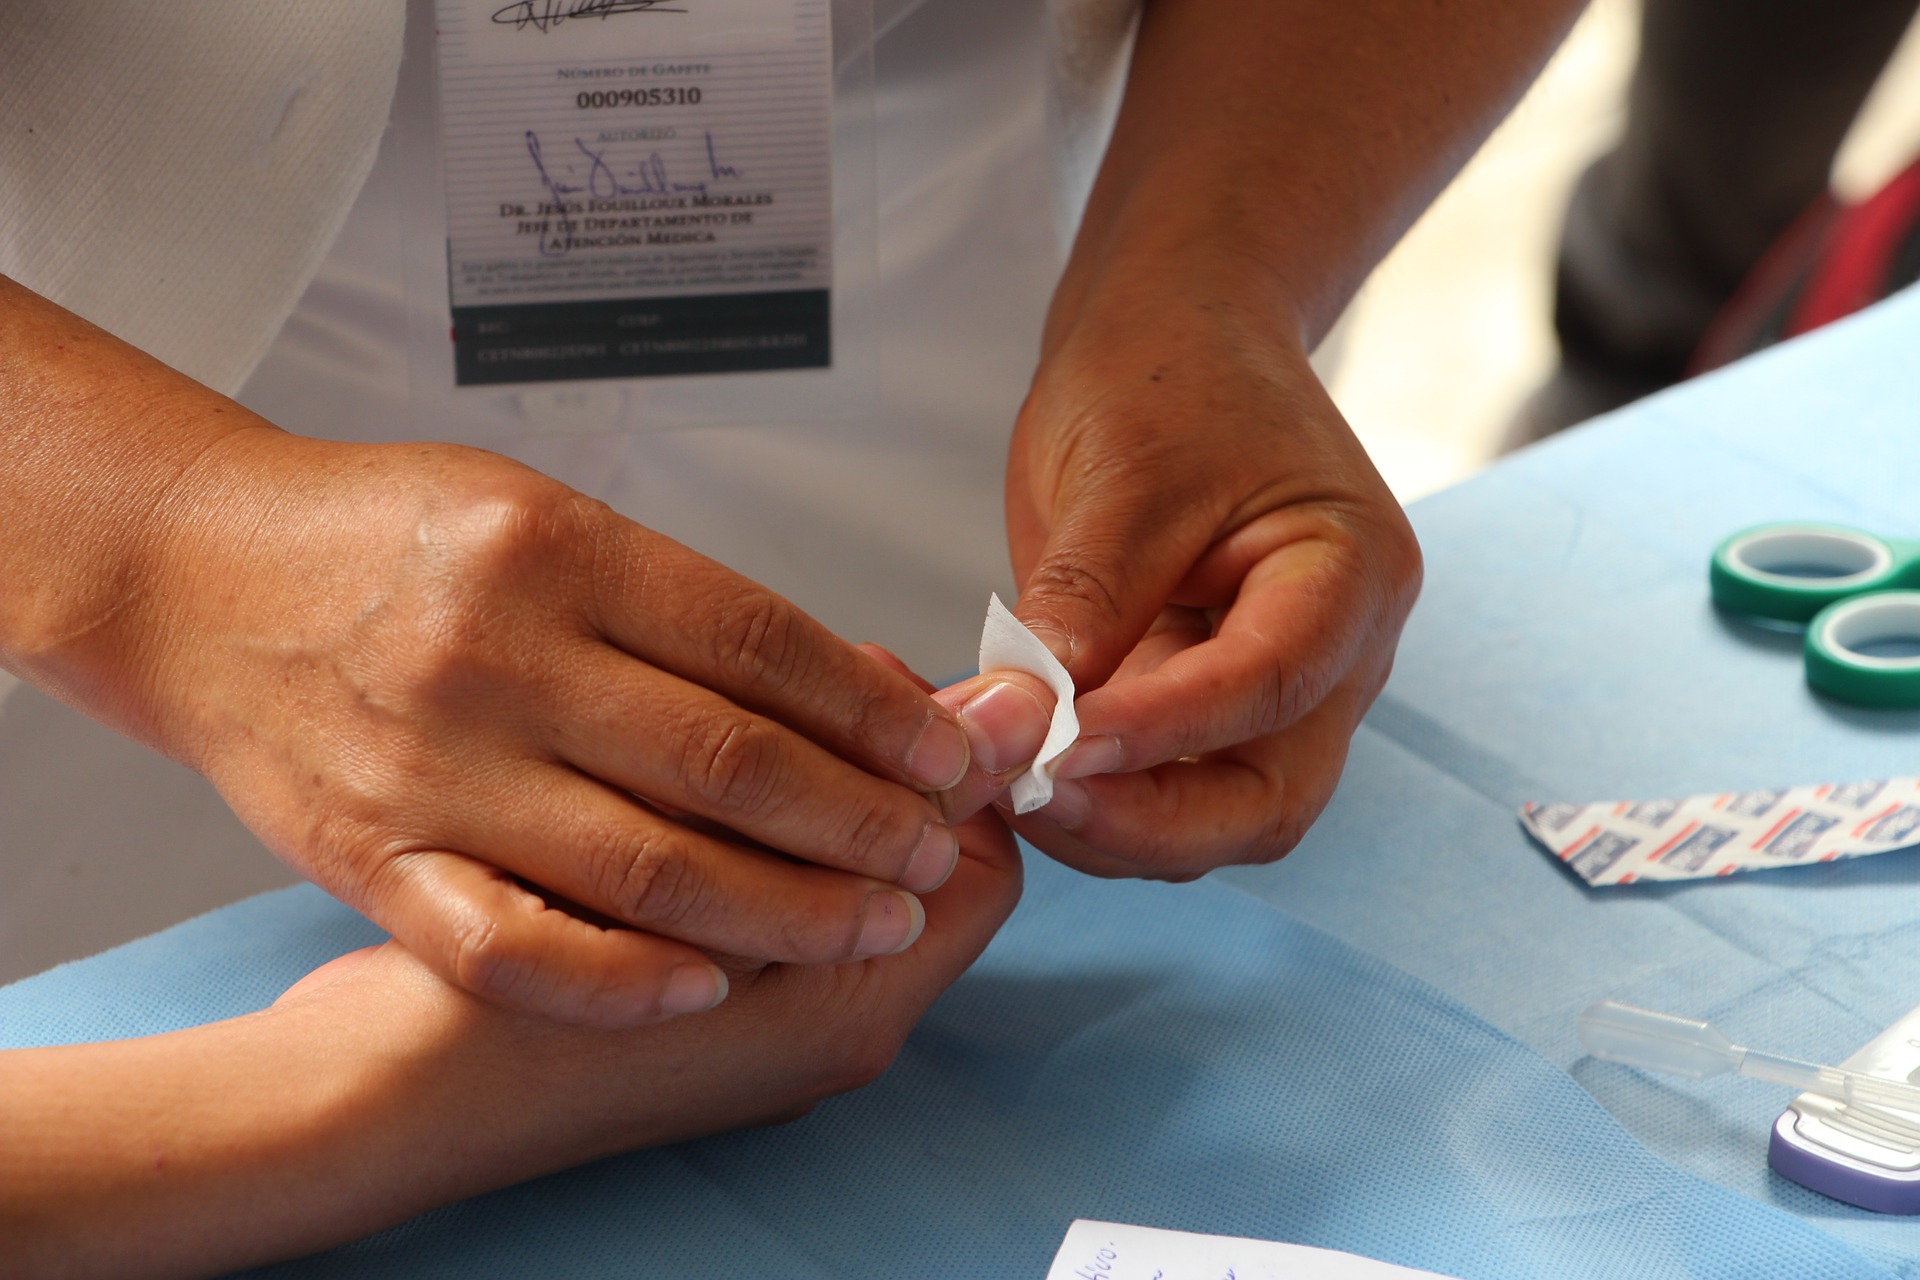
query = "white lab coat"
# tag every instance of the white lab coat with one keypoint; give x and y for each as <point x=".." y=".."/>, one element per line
<point x="194" y="239"/>
<point x="185" y="175"/>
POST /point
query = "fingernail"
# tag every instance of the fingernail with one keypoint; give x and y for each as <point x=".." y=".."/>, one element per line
<point x="1069" y="806"/>
<point x="694" y="988"/>
<point x="1058" y="642"/>
<point x="1005" y="726"/>
<point x="939" y="759"/>
<point x="1089" y="756"/>
<point x="894" y="922"/>
<point x="933" y="860"/>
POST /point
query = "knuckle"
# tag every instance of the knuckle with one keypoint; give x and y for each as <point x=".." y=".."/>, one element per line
<point x="880" y="839"/>
<point x="482" y="562"/>
<point x="478" y="957"/>
<point x="502" y="526"/>
<point x="1271" y="704"/>
<point x="735" y="768"/>
<point x="763" y="640"/>
<point x="864" y="1058"/>
<point x="1276" y="840"/>
<point x="653" y="883"/>
<point x="879" y="715"/>
<point x="825" y="936"/>
<point x="1072" y="584"/>
<point x="1286" y="825"/>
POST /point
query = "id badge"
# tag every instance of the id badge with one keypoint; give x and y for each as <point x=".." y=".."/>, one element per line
<point x="645" y="223"/>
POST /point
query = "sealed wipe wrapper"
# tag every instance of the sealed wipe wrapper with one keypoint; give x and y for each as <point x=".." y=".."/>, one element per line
<point x="1007" y="645"/>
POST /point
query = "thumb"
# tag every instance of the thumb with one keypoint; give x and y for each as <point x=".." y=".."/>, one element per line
<point x="1112" y="559"/>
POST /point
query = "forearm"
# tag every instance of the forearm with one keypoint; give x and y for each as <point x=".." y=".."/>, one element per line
<point x="98" y="446"/>
<point x="367" y="1097"/>
<point x="280" y="1133"/>
<point x="1291" y="142"/>
<point x="207" y="1149"/>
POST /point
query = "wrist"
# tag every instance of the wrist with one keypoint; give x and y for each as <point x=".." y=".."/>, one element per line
<point x="99" y="437"/>
<point x="1157" y="280"/>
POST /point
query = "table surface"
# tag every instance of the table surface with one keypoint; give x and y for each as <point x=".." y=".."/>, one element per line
<point x="1368" y="1046"/>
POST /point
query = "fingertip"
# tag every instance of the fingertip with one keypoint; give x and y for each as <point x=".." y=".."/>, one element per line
<point x="894" y="921"/>
<point x="917" y="923"/>
<point x="941" y="755"/>
<point x="1058" y="638"/>
<point x="1070" y="807"/>
<point x="694" y="988"/>
<point x="1006" y="717"/>
<point x="1094" y="754"/>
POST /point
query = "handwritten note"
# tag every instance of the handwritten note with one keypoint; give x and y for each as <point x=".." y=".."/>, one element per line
<point x="1115" y="1251"/>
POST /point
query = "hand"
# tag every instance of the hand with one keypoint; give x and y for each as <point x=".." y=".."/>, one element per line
<point x="373" y="1091"/>
<point x="451" y="691"/>
<point x="1204" y="544"/>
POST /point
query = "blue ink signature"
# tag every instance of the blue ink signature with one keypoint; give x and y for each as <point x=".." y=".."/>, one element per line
<point x="648" y="178"/>
<point x="545" y="15"/>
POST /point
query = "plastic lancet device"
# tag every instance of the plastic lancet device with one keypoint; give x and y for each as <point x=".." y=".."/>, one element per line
<point x="1661" y="1042"/>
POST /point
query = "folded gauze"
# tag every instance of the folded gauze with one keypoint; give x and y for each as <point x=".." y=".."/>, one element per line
<point x="1007" y="645"/>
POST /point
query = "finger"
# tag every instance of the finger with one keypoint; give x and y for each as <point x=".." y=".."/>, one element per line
<point x="1115" y="551"/>
<point x="673" y="742"/>
<point x="1181" y="819"/>
<point x="1006" y="715"/>
<point x="891" y="661"/>
<point x="686" y="614"/>
<point x="478" y="929"/>
<point x="964" y="915"/>
<point x="597" y="847"/>
<point x="1309" y="615"/>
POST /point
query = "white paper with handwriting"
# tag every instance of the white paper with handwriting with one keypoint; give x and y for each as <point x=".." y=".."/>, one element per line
<point x="1115" y="1251"/>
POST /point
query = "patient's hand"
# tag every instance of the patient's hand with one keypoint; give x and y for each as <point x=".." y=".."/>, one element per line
<point x="374" y="1090"/>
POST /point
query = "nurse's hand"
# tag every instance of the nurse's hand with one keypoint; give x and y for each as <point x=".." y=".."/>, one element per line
<point x="373" y="1091"/>
<point x="1201" y="540"/>
<point x="447" y="688"/>
<point x="450" y="690"/>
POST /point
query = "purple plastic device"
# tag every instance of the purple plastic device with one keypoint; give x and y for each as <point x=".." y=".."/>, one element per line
<point x="1864" y="1156"/>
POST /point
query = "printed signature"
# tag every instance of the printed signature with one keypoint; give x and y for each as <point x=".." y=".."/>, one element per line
<point x="545" y="15"/>
<point x="603" y="182"/>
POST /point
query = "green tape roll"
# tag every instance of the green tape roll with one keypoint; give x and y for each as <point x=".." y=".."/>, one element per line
<point x="1836" y="665"/>
<point x="1790" y="572"/>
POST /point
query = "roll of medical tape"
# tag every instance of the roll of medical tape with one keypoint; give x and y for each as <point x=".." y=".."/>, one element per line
<point x="1790" y="572"/>
<point x="1841" y="644"/>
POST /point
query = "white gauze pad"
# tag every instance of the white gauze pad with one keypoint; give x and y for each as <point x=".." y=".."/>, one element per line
<point x="1007" y="645"/>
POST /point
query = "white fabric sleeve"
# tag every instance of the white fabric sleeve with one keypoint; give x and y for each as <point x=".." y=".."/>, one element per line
<point x="174" y="172"/>
<point x="1092" y="46"/>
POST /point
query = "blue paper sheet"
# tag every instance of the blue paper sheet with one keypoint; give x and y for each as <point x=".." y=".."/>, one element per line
<point x="1176" y="1056"/>
<point x="1565" y="649"/>
<point x="1205" y="1057"/>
